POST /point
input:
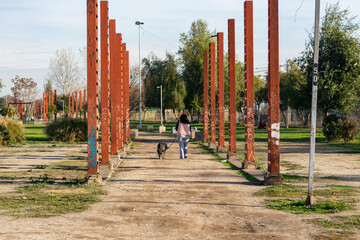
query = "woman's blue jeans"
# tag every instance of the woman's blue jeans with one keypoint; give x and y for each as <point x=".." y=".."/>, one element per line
<point x="183" y="145"/>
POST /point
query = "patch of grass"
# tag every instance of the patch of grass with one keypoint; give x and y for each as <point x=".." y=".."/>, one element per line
<point x="336" y="190"/>
<point x="340" y="222"/>
<point x="40" y="167"/>
<point x="335" y="235"/>
<point x="43" y="200"/>
<point x="281" y="191"/>
<point x="299" y="207"/>
<point x="35" y="133"/>
<point x="294" y="178"/>
<point x="291" y="166"/>
<point x="42" y="179"/>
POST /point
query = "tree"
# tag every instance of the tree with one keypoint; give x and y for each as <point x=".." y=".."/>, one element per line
<point x="134" y="89"/>
<point x="339" y="68"/>
<point x="24" y="89"/>
<point x="192" y="46"/>
<point x="64" y="72"/>
<point x="163" y="72"/>
<point x="260" y="93"/>
<point x="1" y="84"/>
<point x="48" y="86"/>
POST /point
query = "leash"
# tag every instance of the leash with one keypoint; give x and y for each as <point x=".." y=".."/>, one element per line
<point x="172" y="142"/>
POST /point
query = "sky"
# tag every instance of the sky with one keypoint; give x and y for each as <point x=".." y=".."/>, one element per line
<point x="32" y="31"/>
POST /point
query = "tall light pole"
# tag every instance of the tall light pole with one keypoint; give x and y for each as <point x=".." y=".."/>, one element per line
<point x="161" y="113"/>
<point x="139" y="23"/>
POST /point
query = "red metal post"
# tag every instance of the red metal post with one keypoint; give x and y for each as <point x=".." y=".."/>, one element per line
<point x="249" y="84"/>
<point x="69" y="107"/>
<point x="55" y="97"/>
<point x="52" y="97"/>
<point x="85" y="105"/>
<point x="220" y="74"/>
<point x="80" y="103"/>
<point x="76" y="104"/>
<point x="232" y="88"/>
<point x="92" y="85"/>
<point x="127" y="79"/>
<point x="212" y="95"/>
<point x="118" y="74"/>
<point x="124" y="93"/>
<point x="105" y="149"/>
<point x="273" y="176"/>
<point x="43" y="108"/>
<point x="72" y="104"/>
<point x="206" y="99"/>
<point x="113" y="92"/>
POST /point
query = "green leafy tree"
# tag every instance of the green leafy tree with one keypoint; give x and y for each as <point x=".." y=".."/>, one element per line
<point x="163" y="72"/>
<point x="339" y="68"/>
<point x="192" y="46"/>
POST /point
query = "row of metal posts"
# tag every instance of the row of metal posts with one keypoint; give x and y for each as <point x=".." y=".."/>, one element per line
<point x="75" y="105"/>
<point x="49" y="98"/>
<point x="273" y="176"/>
<point x="114" y="88"/>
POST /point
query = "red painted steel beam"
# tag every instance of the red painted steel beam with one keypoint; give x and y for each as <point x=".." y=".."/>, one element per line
<point x="104" y="26"/>
<point x="127" y="79"/>
<point x="43" y="107"/>
<point x="206" y="97"/>
<point x="55" y="96"/>
<point x="85" y="105"/>
<point x="52" y="97"/>
<point x="220" y="74"/>
<point x="80" y="106"/>
<point x="69" y="106"/>
<point x="118" y="73"/>
<point x="124" y="103"/>
<point x="72" y="104"/>
<point x="76" y="104"/>
<point x="113" y="92"/>
<point x="273" y="90"/>
<point x="92" y="85"/>
<point x="122" y="115"/>
<point x="232" y="88"/>
<point x="212" y="92"/>
<point x="249" y="82"/>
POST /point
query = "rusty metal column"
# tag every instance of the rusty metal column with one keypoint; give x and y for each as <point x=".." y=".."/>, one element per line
<point x="220" y="74"/>
<point x="212" y="143"/>
<point x="80" y="103"/>
<point x="273" y="176"/>
<point x="92" y="86"/>
<point x="232" y="90"/>
<point x="55" y="97"/>
<point x="249" y="161"/>
<point x="104" y="28"/>
<point x="72" y="104"/>
<point x="113" y="92"/>
<point x="118" y="88"/>
<point x="76" y="104"/>
<point x="52" y="97"/>
<point x="69" y="107"/>
<point x="206" y="100"/>
<point x="43" y="108"/>
<point x="124" y="94"/>
<point x="127" y="79"/>
<point x="85" y="107"/>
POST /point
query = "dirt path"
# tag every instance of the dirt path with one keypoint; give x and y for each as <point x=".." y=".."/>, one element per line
<point x="150" y="198"/>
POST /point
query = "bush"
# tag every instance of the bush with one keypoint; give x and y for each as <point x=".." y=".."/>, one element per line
<point x="336" y="129"/>
<point x="332" y="127"/>
<point x="67" y="130"/>
<point x="12" y="132"/>
<point x="4" y="135"/>
<point x="349" y="130"/>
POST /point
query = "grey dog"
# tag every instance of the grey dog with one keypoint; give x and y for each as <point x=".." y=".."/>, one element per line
<point x="161" y="149"/>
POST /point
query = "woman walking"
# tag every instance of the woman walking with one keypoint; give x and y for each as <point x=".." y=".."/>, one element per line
<point x="183" y="129"/>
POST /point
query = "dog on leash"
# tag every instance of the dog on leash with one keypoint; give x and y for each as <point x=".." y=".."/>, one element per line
<point x="161" y="149"/>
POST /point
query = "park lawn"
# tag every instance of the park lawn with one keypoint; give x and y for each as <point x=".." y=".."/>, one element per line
<point x="294" y="134"/>
<point x="35" y="132"/>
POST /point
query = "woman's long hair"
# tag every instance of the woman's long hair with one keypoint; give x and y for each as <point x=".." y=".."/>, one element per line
<point x="184" y="119"/>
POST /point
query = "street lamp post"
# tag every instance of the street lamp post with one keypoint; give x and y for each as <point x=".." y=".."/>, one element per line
<point x="139" y="23"/>
<point x="161" y="113"/>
